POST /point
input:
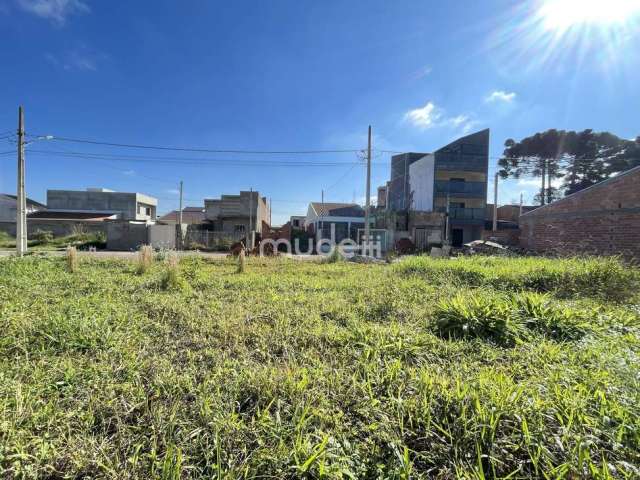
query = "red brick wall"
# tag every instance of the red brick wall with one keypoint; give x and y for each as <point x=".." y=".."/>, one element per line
<point x="603" y="219"/>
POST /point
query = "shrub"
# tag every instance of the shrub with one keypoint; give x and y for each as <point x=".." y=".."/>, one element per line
<point x="145" y="258"/>
<point x="241" y="262"/>
<point x="43" y="236"/>
<point x="72" y="259"/>
<point x="335" y="256"/>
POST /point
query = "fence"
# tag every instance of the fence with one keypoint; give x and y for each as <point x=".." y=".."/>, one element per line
<point x="211" y="240"/>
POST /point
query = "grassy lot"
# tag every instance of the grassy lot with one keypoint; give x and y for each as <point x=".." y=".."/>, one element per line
<point x="467" y="368"/>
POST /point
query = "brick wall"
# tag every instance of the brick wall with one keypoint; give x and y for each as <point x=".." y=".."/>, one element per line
<point x="603" y="219"/>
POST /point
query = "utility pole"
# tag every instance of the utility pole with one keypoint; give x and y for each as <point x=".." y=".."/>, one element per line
<point x="368" y="194"/>
<point x="495" y="203"/>
<point x="322" y="197"/>
<point x="250" y="239"/>
<point x="180" y="211"/>
<point x="446" y="219"/>
<point x="270" y="210"/>
<point x="543" y="192"/>
<point x="21" y="201"/>
<point x="520" y="213"/>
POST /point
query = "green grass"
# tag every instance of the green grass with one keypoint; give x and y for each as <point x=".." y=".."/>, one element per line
<point x="318" y="370"/>
<point x="43" y="241"/>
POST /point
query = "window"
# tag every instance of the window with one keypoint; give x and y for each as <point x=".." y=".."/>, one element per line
<point x="238" y="228"/>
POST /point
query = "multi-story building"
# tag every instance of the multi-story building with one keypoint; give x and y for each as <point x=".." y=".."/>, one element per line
<point x="452" y="180"/>
<point x="238" y="214"/>
<point x="119" y="205"/>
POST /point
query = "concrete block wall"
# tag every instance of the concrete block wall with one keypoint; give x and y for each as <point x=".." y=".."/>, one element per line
<point x="603" y="219"/>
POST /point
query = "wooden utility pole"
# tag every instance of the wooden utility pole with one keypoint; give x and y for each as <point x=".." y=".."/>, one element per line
<point x="495" y="203"/>
<point x="368" y="194"/>
<point x="21" y="201"/>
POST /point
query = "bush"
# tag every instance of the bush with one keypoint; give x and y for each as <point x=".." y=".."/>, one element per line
<point x="43" y="236"/>
<point x="335" y="256"/>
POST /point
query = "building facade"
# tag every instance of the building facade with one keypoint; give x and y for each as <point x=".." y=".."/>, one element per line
<point x="9" y="209"/>
<point x="452" y="181"/>
<point x="122" y="205"/>
<point x="344" y="219"/>
<point x="238" y="214"/>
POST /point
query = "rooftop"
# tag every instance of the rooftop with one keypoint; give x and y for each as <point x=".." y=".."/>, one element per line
<point x="337" y="209"/>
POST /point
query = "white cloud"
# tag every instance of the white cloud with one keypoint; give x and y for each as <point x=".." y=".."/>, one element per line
<point x="421" y="73"/>
<point x="537" y="182"/>
<point x="82" y="60"/>
<point x="431" y="116"/>
<point x="56" y="11"/>
<point x="500" y="96"/>
<point x="129" y="173"/>
<point x="173" y="191"/>
<point x="424" y="117"/>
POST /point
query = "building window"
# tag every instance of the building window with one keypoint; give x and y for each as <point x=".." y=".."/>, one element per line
<point x="238" y="228"/>
<point x="145" y="210"/>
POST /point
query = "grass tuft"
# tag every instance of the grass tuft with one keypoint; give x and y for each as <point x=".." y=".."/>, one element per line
<point x="172" y="279"/>
<point x="144" y="259"/>
<point x="242" y="262"/>
<point x="72" y="259"/>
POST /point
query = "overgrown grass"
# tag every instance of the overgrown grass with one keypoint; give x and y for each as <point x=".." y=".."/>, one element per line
<point x="44" y="240"/>
<point x="604" y="278"/>
<point x="310" y="370"/>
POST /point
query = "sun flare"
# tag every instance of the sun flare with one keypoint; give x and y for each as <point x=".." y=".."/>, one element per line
<point x="565" y="14"/>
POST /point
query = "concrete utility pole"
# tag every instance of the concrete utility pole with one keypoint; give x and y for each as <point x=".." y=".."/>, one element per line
<point x="495" y="203"/>
<point x="322" y="197"/>
<point x="250" y="239"/>
<point x="21" y="200"/>
<point x="180" y="211"/>
<point x="368" y="194"/>
<point x="446" y="220"/>
<point x="520" y="213"/>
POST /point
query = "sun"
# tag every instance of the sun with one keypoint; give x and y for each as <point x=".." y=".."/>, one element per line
<point x="562" y="15"/>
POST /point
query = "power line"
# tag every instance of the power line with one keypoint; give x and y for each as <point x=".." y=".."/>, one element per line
<point x="201" y="150"/>
<point x="199" y="162"/>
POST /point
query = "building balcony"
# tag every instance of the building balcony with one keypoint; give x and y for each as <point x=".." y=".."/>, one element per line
<point x="460" y="189"/>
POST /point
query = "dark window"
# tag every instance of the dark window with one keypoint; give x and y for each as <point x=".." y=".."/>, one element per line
<point x="238" y="228"/>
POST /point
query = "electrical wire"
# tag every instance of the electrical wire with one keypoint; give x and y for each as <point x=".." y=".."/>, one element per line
<point x="201" y="150"/>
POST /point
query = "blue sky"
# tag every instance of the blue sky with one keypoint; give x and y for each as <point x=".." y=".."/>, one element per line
<point x="298" y="75"/>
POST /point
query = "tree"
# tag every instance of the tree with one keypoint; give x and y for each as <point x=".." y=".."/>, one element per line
<point x="581" y="158"/>
<point x="539" y="156"/>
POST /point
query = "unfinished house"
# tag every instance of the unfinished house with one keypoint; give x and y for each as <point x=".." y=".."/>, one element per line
<point x="238" y="214"/>
<point x="117" y="205"/>
<point x="190" y="216"/>
<point x="603" y="219"/>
